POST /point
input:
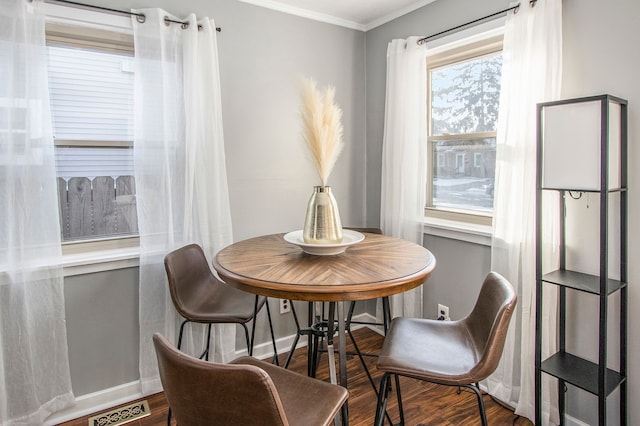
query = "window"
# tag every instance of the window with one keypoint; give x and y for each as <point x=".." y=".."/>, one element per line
<point x="91" y="90"/>
<point x="464" y="92"/>
<point x="477" y="160"/>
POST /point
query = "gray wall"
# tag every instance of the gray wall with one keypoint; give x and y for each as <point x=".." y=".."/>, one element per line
<point x="270" y="178"/>
<point x="451" y="284"/>
<point x="599" y="56"/>
<point x="262" y="55"/>
<point x="102" y="329"/>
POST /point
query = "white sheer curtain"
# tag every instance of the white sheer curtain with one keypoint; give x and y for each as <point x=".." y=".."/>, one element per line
<point x="531" y="73"/>
<point x="404" y="155"/>
<point x="34" y="366"/>
<point x="181" y="180"/>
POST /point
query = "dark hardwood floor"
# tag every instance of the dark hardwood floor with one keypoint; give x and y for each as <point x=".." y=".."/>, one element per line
<point x="425" y="403"/>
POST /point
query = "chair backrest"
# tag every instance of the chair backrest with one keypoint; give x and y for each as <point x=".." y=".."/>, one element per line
<point x="488" y="322"/>
<point x="369" y="230"/>
<point x="188" y="274"/>
<point x="204" y="393"/>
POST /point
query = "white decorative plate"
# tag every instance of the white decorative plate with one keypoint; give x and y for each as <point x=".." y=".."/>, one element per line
<point x="349" y="238"/>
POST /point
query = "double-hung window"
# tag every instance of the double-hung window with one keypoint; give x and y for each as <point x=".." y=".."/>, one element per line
<point x="91" y="90"/>
<point x="464" y="91"/>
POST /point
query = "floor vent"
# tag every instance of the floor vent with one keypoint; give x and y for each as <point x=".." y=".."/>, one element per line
<point x="121" y="415"/>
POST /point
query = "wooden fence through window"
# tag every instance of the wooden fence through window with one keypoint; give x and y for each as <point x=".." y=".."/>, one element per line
<point x="98" y="207"/>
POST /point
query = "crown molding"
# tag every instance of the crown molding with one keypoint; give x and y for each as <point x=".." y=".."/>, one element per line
<point x="400" y="12"/>
<point x="304" y="13"/>
<point x="330" y="19"/>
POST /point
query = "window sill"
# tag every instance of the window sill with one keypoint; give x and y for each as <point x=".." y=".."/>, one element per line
<point x="469" y="232"/>
<point x="111" y="259"/>
<point x="100" y="261"/>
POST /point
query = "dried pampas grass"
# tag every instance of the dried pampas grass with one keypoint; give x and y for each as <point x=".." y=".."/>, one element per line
<point x="322" y="129"/>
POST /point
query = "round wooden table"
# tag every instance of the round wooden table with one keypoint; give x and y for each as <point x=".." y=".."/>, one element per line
<point x="375" y="267"/>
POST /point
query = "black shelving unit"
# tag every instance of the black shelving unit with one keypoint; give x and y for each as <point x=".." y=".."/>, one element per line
<point x="610" y="155"/>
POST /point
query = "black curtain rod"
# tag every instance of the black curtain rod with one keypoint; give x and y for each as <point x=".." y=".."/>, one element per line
<point x="423" y="40"/>
<point x="140" y="17"/>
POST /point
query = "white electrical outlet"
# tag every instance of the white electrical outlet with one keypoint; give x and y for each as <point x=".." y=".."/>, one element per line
<point x="285" y="306"/>
<point x="443" y="313"/>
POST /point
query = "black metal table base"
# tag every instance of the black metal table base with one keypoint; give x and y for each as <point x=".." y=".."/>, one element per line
<point x="321" y="328"/>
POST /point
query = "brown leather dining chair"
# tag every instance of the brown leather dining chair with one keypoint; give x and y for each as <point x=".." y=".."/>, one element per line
<point x="200" y="297"/>
<point x="455" y="353"/>
<point x="246" y="391"/>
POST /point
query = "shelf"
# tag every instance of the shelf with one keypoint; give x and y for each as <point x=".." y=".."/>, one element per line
<point x="600" y="173"/>
<point x="582" y="282"/>
<point x="580" y="372"/>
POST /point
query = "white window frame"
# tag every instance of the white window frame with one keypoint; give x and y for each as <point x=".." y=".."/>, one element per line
<point x="479" y="45"/>
<point x="88" y="28"/>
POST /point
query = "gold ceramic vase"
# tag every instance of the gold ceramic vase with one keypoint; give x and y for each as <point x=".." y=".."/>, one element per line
<point x="322" y="223"/>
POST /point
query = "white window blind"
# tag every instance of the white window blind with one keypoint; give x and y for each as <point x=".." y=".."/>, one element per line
<point x="92" y="162"/>
<point x="91" y="95"/>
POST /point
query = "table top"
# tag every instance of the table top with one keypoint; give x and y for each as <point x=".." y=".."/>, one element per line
<point x="378" y="266"/>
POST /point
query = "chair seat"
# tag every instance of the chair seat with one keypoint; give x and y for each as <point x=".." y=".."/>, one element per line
<point x="454" y="353"/>
<point x="439" y="351"/>
<point x="306" y="401"/>
<point x="220" y="304"/>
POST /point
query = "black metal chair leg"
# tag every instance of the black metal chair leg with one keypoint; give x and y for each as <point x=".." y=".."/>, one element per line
<point x="316" y="325"/>
<point x="382" y="396"/>
<point x="296" y="339"/>
<point x="205" y="354"/>
<point x="386" y="313"/>
<point x="246" y="337"/>
<point x="399" y="395"/>
<point x="483" y="414"/>
<point x="362" y="361"/>
<point x="273" y="337"/>
<point x="352" y="307"/>
<point x="180" y="334"/>
<point x="382" y="400"/>
<point x="295" y="343"/>
<point x="251" y="343"/>
<point x="315" y="355"/>
<point x="310" y="341"/>
<point x="253" y="326"/>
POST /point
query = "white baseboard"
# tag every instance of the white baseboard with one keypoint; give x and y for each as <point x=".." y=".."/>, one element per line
<point x="127" y="392"/>
<point x="97" y="401"/>
<point x="265" y="350"/>
<point x="367" y="318"/>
